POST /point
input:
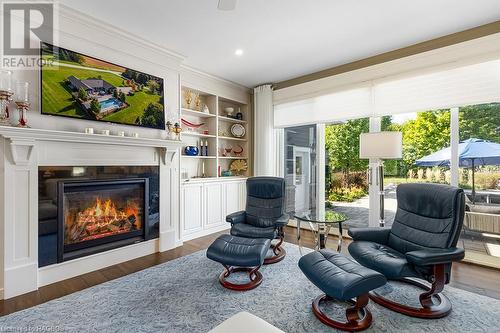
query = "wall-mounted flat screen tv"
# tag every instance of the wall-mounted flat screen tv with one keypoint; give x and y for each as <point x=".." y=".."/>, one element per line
<point x="79" y="86"/>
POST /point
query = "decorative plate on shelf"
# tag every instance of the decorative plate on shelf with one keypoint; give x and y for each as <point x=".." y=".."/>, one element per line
<point x="238" y="166"/>
<point x="238" y="131"/>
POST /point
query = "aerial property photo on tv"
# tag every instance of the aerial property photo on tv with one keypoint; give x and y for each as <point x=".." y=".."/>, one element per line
<point x="79" y="86"/>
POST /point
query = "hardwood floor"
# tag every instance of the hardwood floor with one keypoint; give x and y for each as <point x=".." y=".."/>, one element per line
<point x="478" y="279"/>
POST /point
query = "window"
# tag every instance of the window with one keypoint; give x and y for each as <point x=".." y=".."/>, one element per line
<point x="479" y="132"/>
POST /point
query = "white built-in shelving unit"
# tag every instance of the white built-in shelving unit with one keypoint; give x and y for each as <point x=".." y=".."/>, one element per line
<point x="216" y="130"/>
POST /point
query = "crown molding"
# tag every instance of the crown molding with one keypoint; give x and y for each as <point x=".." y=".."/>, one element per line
<point x="214" y="77"/>
<point x="82" y="18"/>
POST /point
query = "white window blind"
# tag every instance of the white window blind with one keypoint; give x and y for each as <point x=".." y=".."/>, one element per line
<point x="324" y="109"/>
<point x="473" y="84"/>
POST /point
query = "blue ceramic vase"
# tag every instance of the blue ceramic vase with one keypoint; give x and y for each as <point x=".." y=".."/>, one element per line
<point x="191" y="150"/>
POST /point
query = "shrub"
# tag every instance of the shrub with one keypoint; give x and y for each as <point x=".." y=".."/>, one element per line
<point x="347" y="194"/>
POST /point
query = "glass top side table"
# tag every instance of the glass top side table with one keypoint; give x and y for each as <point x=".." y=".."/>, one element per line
<point x="321" y="225"/>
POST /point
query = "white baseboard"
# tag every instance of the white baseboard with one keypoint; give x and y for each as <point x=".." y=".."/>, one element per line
<point x="167" y="240"/>
<point x="79" y="266"/>
<point x="206" y="232"/>
<point x="1" y="293"/>
<point x="20" y="279"/>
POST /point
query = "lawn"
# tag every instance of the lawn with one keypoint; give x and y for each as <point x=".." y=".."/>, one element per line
<point x="401" y="180"/>
<point x="137" y="104"/>
<point x="57" y="99"/>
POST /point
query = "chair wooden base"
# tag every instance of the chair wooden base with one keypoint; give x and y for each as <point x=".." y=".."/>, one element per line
<point x="354" y="323"/>
<point x="430" y="309"/>
<point x="279" y="253"/>
<point x="253" y="274"/>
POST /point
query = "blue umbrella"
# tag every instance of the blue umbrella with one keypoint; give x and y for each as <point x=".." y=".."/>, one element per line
<point x="471" y="152"/>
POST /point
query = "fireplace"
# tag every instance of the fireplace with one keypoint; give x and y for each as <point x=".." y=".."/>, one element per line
<point x="99" y="215"/>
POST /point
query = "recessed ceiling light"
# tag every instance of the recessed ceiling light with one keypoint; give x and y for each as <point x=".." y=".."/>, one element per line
<point x="238" y="52"/>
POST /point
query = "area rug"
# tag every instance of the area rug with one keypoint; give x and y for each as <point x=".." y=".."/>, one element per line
<point x="184" y="295"/>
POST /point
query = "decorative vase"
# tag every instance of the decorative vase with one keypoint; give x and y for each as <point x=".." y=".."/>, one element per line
<point x="191" y="150"/>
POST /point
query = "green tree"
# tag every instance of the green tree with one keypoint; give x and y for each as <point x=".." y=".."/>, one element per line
<point x="480" y="121"/>
<point x="82" y="94"/>
<point x="115" y="93"/>
<point x="153" y="86"/>
<point x="342" y="144"/>
<point x="153" y="116"/>
<point x="95" y="107"/>
<point x="426" y="134"/>
<point x="122" y="96"/>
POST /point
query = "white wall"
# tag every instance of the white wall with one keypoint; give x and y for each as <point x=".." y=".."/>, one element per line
<point x="84" y="34"/>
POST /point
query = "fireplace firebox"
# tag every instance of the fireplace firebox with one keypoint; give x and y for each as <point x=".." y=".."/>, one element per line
<point x="99" y="215"/>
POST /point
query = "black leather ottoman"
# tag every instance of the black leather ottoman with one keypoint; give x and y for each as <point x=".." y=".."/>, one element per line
<point x="238" y="254"/>
<point x="342" y="279"/>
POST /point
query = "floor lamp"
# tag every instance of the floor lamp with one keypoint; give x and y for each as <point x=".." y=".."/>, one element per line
<point x="380" y="146"/>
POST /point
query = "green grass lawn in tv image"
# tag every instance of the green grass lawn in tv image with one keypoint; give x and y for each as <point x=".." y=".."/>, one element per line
<point x="57" y="97"/>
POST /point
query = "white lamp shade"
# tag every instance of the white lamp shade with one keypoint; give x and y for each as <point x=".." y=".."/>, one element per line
<point x="383" y="145"/>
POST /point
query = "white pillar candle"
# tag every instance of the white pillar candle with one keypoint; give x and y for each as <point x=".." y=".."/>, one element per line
<point x="22" y="92"/>
<point x="6" y="80"/>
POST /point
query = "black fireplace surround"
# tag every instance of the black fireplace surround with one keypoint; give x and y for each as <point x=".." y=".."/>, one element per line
<point x="86" y="210"/>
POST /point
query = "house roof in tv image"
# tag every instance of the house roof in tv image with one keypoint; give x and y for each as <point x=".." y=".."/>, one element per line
<point x="92" y="84"/>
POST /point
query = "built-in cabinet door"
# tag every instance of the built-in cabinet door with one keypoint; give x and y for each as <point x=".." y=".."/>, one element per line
<point x="214" y="207"/>
<point x="192" y="208"/>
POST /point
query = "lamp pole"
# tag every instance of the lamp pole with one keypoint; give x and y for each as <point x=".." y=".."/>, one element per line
<point x="381" y="192"/>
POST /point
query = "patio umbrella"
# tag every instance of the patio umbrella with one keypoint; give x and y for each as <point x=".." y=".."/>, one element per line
<point x="471" y="152"/>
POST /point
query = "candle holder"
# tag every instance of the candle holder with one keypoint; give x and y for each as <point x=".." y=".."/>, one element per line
<point x="22" y="102"/>
<point x="5" y="97"/>
<point x="22" y="107"/>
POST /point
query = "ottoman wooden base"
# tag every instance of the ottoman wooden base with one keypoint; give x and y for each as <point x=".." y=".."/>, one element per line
<point x="354" y="322"/>
<point x="279" y="254"/>
<point x="253" y="274"/>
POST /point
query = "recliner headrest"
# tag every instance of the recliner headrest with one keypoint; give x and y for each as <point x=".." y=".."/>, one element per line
<point x="429" y="200"/>
<point x="266" y="187"/>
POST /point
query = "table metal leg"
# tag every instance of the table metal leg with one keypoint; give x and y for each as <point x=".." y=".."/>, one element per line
<point x="339" y="245"/>
<point x="298" y="229"/>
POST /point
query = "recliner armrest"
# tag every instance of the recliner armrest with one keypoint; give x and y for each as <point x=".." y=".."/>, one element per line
<point x="377" y="235"/>
<point x="236" y="217"/>
<point x="282" y="220"/>
<point x="435" y="256"/>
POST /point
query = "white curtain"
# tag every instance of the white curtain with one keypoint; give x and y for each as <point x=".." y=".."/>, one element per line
<point x="467" y="85"/>
<point x="264" y="145"/>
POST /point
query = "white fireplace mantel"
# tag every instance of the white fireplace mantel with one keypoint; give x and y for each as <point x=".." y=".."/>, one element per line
<point x="23" y="150"/>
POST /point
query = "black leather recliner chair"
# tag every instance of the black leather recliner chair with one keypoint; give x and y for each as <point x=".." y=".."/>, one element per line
<point x="264" y="216"/>
<point x="421" y="244"/>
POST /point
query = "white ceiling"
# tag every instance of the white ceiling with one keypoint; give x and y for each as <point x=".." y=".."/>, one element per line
<point x="283" y="39"/>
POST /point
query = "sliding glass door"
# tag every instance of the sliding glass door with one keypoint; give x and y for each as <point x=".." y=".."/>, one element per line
<point x="301" y="168"/>
<point x="346" y="185"/>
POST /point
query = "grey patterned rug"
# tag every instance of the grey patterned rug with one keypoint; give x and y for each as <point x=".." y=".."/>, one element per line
<point x="184" y="295"/>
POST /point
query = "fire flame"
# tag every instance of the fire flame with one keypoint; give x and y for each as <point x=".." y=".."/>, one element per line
<point x="102" y="219"/>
